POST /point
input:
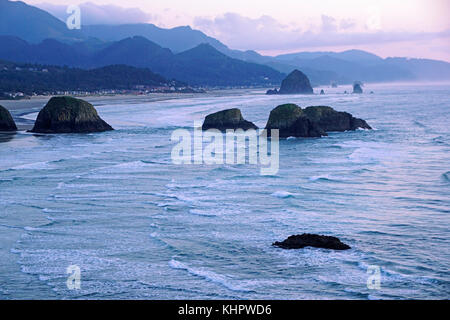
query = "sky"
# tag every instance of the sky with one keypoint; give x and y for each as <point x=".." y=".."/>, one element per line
<point x="412" y="28"/>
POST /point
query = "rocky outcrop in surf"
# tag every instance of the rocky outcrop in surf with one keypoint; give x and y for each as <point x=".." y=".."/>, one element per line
<point x="312" y="240"/>
<point x="295" y="83"/>
<point x="69" y="115"/>
<point x="227" y="119"/>
<point x="6" y="121"/>
<point x="357" y="88"/>
<point x="293" y="121"/>
<point x="331" y="120"/>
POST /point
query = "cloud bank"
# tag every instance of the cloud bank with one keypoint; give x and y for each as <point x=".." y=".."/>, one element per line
<point x="266" y="33"/>
<point x="92" y="13"/>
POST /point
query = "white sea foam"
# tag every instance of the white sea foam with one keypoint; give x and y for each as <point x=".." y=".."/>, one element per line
<point x="319" y="177"/>
<point x="282" y="194"/>
<point x="205" y="213"/>
<point x="33" y="166"/>
<point x="208" y="275"/>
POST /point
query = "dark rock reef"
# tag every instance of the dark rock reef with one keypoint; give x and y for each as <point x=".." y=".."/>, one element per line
<point x="312" y="240"/>
<point x="331" y="120"/>
<point x="293" y="121"/>
<point x="272" y="91"/>
<point x="295" y="83"/>
<point x="357" y="88"/>
<point x="69" y="115"/>
<point x="6" y="121"/>
<point x="227" y="119"/>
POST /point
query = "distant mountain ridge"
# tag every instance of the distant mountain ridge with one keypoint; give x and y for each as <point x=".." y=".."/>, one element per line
<point x="201" y="66"/>
<point x="98" y="45"/>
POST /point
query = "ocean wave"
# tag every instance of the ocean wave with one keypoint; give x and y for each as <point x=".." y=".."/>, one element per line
<point x="283" y="194"/>
<point x="42" y="165"/>
<point x="208" y="275"/>
<point x="392" y="276"/>
<point x="202" y="213"/>
<point x="324" y="177"/>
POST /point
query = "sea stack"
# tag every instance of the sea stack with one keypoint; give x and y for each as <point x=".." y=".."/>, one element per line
<point x="6" y="121"/>
<point x="69" y="115"/>
<point x="357" y="88"/>
<point x="293" y="121"/>
<point x="227" y="119"/>
<point x="295" y="83"/>
<point x="331" y="120"/>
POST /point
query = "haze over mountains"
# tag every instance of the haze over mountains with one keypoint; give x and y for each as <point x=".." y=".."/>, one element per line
<point x="188" y="55"/>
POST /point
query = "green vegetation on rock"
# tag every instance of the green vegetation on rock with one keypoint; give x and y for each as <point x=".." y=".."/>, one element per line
<point x="69" y="115"/>
<point x="227" y="119"/>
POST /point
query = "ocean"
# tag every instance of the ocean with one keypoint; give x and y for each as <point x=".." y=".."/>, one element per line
<point x="138" y="226"/>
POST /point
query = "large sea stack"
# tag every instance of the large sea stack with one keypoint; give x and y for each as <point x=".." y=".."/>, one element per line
<point x="227" y="119"/>
<point x="69" y="115"/>
<point x="295" y="83"/>
<point x="293" y="121"/>
<point x="6" y="121"/>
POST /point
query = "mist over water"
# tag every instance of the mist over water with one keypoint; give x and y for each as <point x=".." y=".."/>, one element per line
<point x="139" y="226"/>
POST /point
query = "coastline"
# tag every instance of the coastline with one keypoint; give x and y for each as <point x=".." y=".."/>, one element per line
<point x="26" y="106"/>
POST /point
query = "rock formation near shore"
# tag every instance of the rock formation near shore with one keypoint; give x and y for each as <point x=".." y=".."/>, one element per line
<point x="311" y="240"/>
<point x="293" y="121"/>
<point x="69" y="115"/>
<point x="357" y="88"/>
<point x="227" y="119"/>
<point x="331" y="120"/>
<point x="6" y="121"/>
<point x="295" y="83"/>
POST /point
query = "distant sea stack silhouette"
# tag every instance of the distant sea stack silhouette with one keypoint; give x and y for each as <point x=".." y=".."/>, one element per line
<point x="293" y="121"/>
<point x="6" y="121"/>
<point x="227" y="119"/>
<point x="357" y="88"/>
<point x="295" y="83"/>
<point x="69" y="115"/>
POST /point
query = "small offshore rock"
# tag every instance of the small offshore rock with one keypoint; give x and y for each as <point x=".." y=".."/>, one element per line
<point x="312" y="240"/>
<point x="227" y="119"/>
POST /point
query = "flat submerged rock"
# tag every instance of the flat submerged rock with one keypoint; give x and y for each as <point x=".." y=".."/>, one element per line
<point x="312" y="240"/>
